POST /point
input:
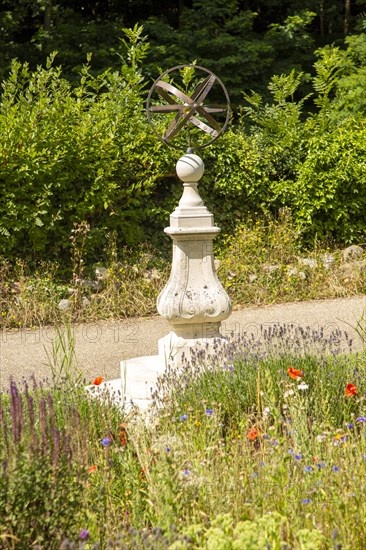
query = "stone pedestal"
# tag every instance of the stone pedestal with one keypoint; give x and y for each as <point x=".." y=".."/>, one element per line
<point x="193" y="301"/>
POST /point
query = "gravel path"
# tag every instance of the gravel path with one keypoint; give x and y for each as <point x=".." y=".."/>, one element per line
<point x="101" y="346"/>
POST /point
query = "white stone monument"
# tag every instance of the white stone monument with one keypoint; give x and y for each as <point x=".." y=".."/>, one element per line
<point x="193" y="300"/>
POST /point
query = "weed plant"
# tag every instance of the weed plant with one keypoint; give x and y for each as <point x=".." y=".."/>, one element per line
<point x="130" y="288"/>
<point x="264" y="262"/>
<point x="261" y="263"/>
<point x="260" y="443"/>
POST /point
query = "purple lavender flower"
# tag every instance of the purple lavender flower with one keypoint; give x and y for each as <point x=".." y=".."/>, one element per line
<point x="84" y="534"/>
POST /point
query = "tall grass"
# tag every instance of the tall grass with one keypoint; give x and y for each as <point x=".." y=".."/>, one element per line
<point x="265" y="262"/>
<point x="261" y="445"/>
<point x="262" y="262"/>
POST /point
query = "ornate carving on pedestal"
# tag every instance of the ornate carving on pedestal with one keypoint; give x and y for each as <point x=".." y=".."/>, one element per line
<point x="193" y="293"/>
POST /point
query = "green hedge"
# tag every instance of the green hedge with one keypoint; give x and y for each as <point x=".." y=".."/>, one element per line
<point x="86" y="153"/>
<point x="74" y="153"/>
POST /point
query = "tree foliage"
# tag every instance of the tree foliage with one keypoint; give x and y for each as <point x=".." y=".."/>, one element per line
<point x="81" y="150"/>
<point x="75" y="153"/>
<point x="246" y="42"/>
<point x="312" y="163"/>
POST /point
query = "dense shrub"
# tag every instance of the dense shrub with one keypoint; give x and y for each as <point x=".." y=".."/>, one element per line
<point x="311" y="163"/>
<point x="71" y="154"/>
<point x="85" y="153"/>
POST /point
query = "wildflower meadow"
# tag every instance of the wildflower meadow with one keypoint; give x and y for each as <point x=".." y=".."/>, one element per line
<point x="261" y="444"/>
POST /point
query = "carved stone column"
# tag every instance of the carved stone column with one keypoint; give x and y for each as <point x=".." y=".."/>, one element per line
<point x="193" y="301"/>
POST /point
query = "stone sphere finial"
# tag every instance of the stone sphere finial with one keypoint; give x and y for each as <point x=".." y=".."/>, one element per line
<point x="190" y="168"/>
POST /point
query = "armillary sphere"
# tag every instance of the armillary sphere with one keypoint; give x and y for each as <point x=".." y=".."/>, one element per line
<point x="177" y="107"/>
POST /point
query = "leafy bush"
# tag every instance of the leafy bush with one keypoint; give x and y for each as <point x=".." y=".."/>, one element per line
<point x="85" y="154"/>
<point x="74" y="154"/>
<point x="311" y="163"/>
<point x="329" y="194"/>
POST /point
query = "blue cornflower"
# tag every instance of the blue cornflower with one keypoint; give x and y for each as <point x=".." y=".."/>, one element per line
<point x="183" y="417"/>
<point x="291" y="451"/>
<point x="361" y="419"/>
<point x="335" y="469"/>
<point x="298" y="457"/>
<point x="84" y="534"/>
<point x="321" y="465"/>
<point x="167" y="449"/>
<point x="349" y="426"/>
<point x="186" y="472"/>
<point x="306" y="501"/>
<point x="308" y="468"/>
<point x="106" y="441"/>
<point x="209" y="412"/>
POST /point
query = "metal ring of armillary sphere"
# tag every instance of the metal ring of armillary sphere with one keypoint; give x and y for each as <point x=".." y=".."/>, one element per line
<point x="181" y="96"/>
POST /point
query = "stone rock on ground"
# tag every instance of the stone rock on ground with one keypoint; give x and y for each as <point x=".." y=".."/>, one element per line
<point x="352" y="252"/>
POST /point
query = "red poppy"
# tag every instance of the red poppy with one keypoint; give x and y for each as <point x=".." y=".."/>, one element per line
<point x="252" y="434"/>
<point x="123" y="434"/>
<point x="351" y="389"/>
<point x="295" y="374"/>
<point x="92" y="469"/>
<point x="98" y="380"/>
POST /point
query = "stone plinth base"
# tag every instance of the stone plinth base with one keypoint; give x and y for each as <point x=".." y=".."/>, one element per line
<point x="187" y="340"/>
<point x="134" y="388"/>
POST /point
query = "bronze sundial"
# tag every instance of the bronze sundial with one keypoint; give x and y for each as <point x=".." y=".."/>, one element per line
<point x="178" y="109"/>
